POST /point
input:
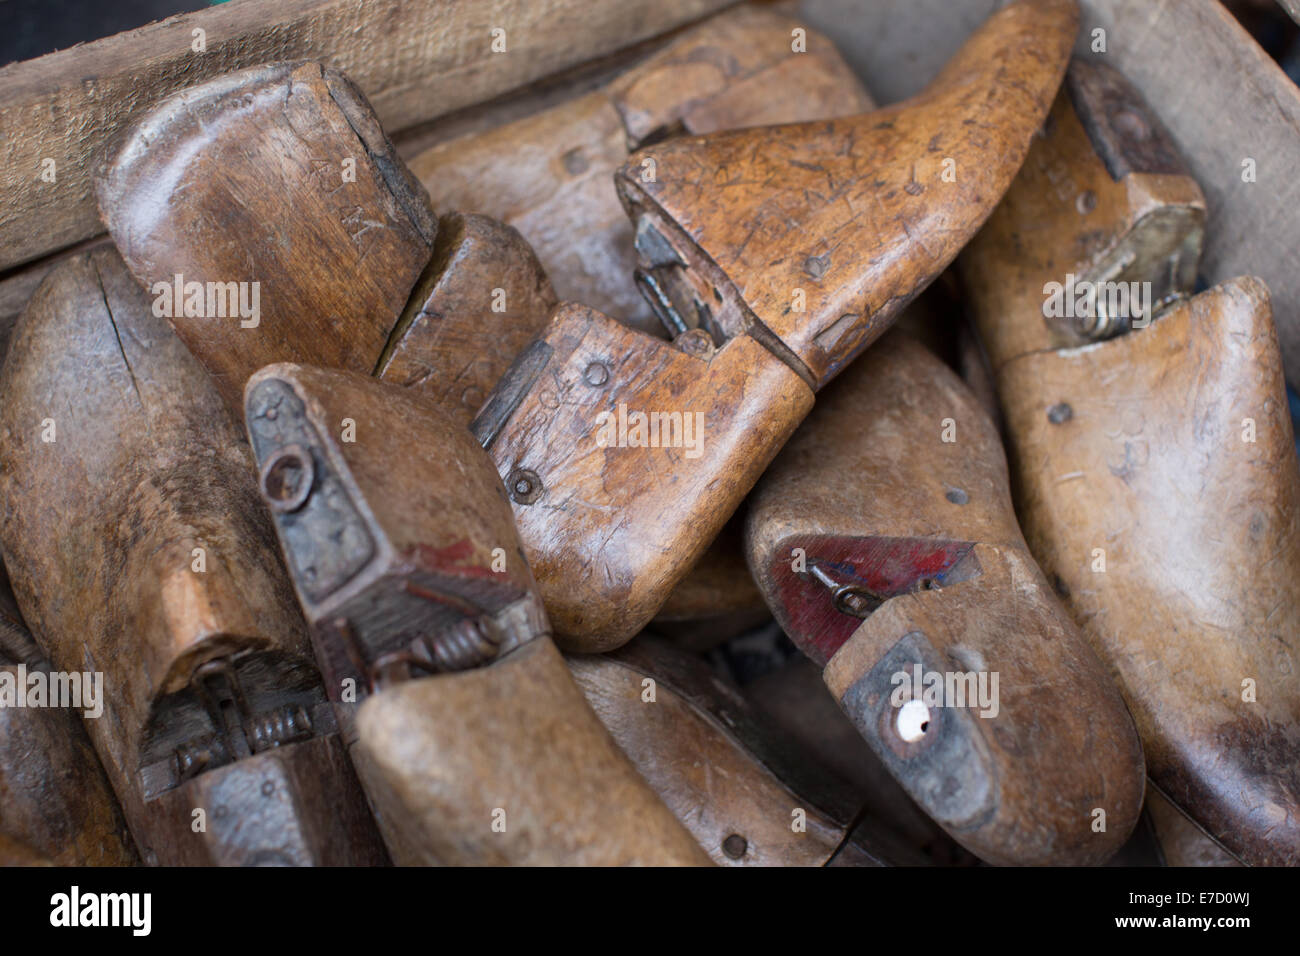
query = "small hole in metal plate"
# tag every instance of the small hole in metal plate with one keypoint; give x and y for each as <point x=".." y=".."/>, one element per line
<point x="287" y="478"/>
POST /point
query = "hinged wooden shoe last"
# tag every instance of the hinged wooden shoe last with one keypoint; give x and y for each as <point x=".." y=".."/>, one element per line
<point x="1154" y="466"/>
<point x="135" y="554"/>
<point x="472" y="740"/>
<point x="812" y="237"/>
<point x="884" y="540"/>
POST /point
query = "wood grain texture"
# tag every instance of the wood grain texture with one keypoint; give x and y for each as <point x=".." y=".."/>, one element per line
<point x="1241" y="106"/>
<point x="244" y="179"/>
<point x="795" y="698"/>
<point x="1136" y="216"/>
<point x="856" y="214"/>
<point x="16" y="853"/>
<point x="719" y="585"/>
<point x="54" y="797"/>
<point x="416" y="60"/>
<point x="407" y="562"/>
<point x="610" y="530"/>
<point x="99" y="535"/>
<point x="1014" y="784"/>
<point x="444" y="754"/>
<point x="484" y="297"/>
<point x="1201" y="544"/>
<point x="730" y="777"/>
<point x="394" y="525"/>
<point x="1132" y="449"/>
<point x="352" y="269"/>
<point x="550" y="174"/>
<point x="1182" y="842"/>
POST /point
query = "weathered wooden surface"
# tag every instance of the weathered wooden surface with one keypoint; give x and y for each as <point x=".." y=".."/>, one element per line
<point x="923" y="532"/>
<point x="551" y="174"/>
<point x="796" y="699"/>
<point x="735" y="781"/>
<point x="517" y="745"/>
<point x="416" y="60"/>
<point x="244" y="180"/>
<point x="54" y="797"/>
<point x="1181" y="842"/>
<point x="719" y="585"/>
<point x="818" y="234"/>
<point x="1133" y="216"/>
<point x="100" y="533"/>
<point x="390" y="517"/>
<point x="1222" y="97"/>
<point x="613" y="518"/>
<point x="1199" y="530"/>
<point x="402" y="548"/>
<point x="280" y="178"/>
<point x="483" y="298"/>
<point x="16" y="853"/>
<point x="1155" y="472"/>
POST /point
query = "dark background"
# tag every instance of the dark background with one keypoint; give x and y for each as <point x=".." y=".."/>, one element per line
<point x="29" y="28"/>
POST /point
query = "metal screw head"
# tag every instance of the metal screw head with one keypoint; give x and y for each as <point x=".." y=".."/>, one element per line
<point x="1060" y="413"/>
<point x="575" y="164"/>
<point x="816" y="266"/>
<point x="957" y="496"/>
<point x="596" y="374"/>
<point x="735" y="846"/>
<point x="524" y="486"/>
<point x="1131" y="124"/>
<point x="1086" y="202"/>
<point x="695" y="342"/>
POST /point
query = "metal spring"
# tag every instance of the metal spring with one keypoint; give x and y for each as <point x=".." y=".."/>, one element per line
<point x="285" y="725"/>
<point x="466" y="644"/>
<point x="198" y="755"/>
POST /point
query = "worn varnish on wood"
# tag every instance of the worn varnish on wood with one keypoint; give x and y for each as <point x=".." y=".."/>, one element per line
<point x="601" y="583"/>
<point x="473" y="742"/>
<point x="812" y="236"/>
<point x="1223" y="97"/>
<point x="281" y="176"/>
<point x="550" y="174"/>
<point x="883" y="549"/>
<point x="611" y="528"/>
<point x="54" y="797"/>
<point x="134" y="552"/>
<point x="733" y="779"/>
<point x="1164" y="456"/>
<point x="1198" y="530"/>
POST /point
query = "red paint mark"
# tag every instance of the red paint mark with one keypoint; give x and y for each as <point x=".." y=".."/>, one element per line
<point x="451" y="559"/>
<point x="886" y="566"/>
